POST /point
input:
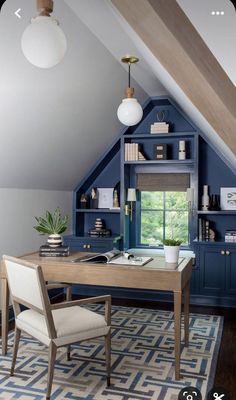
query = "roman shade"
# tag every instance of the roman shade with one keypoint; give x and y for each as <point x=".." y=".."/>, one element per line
<point x="165" y="182"/>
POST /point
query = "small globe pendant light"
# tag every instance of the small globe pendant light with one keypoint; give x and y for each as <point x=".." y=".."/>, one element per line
<point x="43" y="42"/>
<point x="129" y="111"/>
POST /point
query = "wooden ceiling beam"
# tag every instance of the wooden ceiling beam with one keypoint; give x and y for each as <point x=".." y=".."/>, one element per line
<point x="167" y="32"/>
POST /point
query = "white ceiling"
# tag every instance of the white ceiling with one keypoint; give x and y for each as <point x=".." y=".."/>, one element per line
<point x="55" y="124"/>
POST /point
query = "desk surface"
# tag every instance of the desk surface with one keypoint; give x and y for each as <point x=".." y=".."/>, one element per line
<point x="155" y="275"/>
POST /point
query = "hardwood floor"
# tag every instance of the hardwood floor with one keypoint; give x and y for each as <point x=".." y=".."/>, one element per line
<point x="226" y="367"/>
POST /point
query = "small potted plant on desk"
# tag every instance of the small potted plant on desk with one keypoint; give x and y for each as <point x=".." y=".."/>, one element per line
<point x="53" y="225"/>
<point x="171" y="250"/>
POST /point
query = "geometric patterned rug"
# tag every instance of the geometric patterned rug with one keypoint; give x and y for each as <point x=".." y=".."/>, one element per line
<point x="142" y="361"/>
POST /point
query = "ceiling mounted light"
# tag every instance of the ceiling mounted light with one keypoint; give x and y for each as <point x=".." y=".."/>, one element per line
<point x="129" y="111"/>
<point x="43" y="42"/>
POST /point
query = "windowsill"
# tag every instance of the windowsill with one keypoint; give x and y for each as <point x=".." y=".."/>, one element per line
<point x="157" y="252"/>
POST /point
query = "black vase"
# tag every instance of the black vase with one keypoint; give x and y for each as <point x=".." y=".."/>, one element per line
<point x="214" y="202"/>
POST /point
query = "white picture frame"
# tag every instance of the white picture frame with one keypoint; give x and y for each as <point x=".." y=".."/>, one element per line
<point x="105" y="197"/>
<point x="228" y="198"/>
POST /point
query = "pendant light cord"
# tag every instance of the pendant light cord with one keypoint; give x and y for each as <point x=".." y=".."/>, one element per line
<point x="129" y="76"/>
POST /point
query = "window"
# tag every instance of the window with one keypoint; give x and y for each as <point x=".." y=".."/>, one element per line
<point x="163" y="215"/>
<point x="164" y="210"/>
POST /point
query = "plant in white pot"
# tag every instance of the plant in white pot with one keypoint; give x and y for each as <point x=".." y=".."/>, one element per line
<point x="171" y="250"/>
<point x="52" y="224"/>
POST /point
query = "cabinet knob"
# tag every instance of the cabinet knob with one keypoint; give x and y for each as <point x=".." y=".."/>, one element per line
<point x="222" y="252"/>
<point x="89" y="246"/>
<point x="84" y="246"/>
<point x="227" y="252"/>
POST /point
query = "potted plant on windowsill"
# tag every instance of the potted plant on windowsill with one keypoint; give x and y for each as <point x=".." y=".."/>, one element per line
<point x="171" y="250"/>
<point x="52" y="224"/>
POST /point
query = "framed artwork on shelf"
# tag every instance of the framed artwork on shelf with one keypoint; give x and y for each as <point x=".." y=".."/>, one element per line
<point x="228" y="198"/>
<point x="105" y="197"/>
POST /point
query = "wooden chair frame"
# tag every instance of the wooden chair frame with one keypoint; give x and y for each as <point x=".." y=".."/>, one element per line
<point x="47" y="313"/>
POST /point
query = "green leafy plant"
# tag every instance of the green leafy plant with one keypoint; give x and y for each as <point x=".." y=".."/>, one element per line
<point x="52" y="223"/>
<point x="172" y="242"/>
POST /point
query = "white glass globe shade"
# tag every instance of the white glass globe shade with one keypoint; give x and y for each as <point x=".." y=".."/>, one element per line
<point x="43" y="42"/>
<point x="129" y="112"/>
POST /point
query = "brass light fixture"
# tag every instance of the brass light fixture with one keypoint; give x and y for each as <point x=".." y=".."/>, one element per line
<point x="131" y="197"/>
<point x="43" y="42"/>
<point x="129" y="111"/>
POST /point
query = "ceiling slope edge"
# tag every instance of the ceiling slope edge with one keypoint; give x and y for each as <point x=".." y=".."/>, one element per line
<point x="190" y="73"/>
<point x="100" y="19"/>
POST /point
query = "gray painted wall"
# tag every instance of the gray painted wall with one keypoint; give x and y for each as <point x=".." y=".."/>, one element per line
<point x="17" y="211"/>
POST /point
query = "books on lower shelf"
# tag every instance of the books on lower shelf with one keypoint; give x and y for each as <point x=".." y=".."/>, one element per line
<point x="60" y="251"/>
<point x="230" y="236"/>
<point x="204" y="231"/>
<point x="114" y="257"/>
<point x="133" y="152"/>
<point x="159" y="127"/>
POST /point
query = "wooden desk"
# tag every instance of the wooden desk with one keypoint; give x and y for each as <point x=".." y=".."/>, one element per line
<point x="156" y="275"/>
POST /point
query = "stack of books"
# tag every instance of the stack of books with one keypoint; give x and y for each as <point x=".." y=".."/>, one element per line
<point x="133" y="152"/>
<point x="204" y="231"/>
<point x="230" y="236"/>
<point x="159" y="127"/>
<point x="60" y="251"/>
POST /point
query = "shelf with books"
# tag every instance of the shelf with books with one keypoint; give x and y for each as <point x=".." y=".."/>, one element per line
<point x="164" y="147"/>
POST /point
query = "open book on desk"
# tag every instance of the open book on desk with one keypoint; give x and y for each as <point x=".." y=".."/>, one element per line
<point x="114" y="257"/>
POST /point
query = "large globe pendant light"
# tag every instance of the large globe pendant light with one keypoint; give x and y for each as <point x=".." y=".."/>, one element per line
<point x="129" y="111"/>
<point x="43" y="42"/>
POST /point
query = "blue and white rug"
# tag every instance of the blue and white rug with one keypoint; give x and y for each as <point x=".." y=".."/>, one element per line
<point x="142" y="361"/>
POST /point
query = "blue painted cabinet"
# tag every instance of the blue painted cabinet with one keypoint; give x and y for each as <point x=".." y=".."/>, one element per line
<point x="217" y="280"/>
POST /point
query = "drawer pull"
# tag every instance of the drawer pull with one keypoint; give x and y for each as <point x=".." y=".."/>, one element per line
<point x="222" y="252"/>
<point x="89" y="246"/>
<point x="84" y="246"/>
<point x="227" y="252"/>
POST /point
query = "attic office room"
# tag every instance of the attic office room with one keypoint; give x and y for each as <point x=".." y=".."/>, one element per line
<point x="133" y="177"/>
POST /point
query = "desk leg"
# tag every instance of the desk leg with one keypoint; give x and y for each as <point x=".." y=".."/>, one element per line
<point x="5" y="305"/>
<point x="177" y="312"/>
<point x="186" y="312"/>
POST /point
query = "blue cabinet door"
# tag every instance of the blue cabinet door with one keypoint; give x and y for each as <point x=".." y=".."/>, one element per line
<point x="212" y="271"/>
<point x="230" y="259"/>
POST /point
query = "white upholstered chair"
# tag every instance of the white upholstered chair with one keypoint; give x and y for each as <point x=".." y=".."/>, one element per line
<point x="55" y="325"/>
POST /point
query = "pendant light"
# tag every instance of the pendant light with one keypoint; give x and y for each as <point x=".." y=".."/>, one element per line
<point x="129" y="111"/>
<point x="43" y="42"/>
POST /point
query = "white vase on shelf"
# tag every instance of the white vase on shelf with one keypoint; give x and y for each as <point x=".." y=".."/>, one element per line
<point x="205" y="199"/>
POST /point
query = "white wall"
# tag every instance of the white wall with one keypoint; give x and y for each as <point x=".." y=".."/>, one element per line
<point x="18" y="207"/>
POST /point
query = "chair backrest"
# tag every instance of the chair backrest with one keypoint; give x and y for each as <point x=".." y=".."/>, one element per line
<point x="27" y="287"/>
<point x="24" y="283"/>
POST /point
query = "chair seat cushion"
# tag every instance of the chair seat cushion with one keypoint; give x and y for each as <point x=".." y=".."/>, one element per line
<point x="68" y="321"/>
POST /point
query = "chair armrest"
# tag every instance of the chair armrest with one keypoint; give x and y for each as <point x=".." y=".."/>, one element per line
<point x="98" y="299"/>
<point x="57" y="285"/>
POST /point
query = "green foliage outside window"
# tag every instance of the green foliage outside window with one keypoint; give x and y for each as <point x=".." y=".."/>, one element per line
<point x="163" y="215"/>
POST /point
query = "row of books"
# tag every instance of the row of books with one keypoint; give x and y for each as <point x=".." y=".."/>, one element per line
<point x="159" y="127"/>
<point x="133" y="152"/>
<point x="204" y="231"/>
<point x="60" y="251"/>
<point x="230" y="236"/>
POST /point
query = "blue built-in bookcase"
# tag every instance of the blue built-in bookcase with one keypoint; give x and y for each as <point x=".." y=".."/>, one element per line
<point x="214" y="274"/>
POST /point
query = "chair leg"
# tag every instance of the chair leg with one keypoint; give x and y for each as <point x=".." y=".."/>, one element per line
<point x="68" y="353"/>
<point x="15" y="349"/>
<point x="51" y="362"/>
<point x="108" y="356"/>
<point x="69" y="293"/>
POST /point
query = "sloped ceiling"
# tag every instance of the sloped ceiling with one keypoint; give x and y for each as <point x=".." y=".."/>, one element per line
<point x="55" y="124"/>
